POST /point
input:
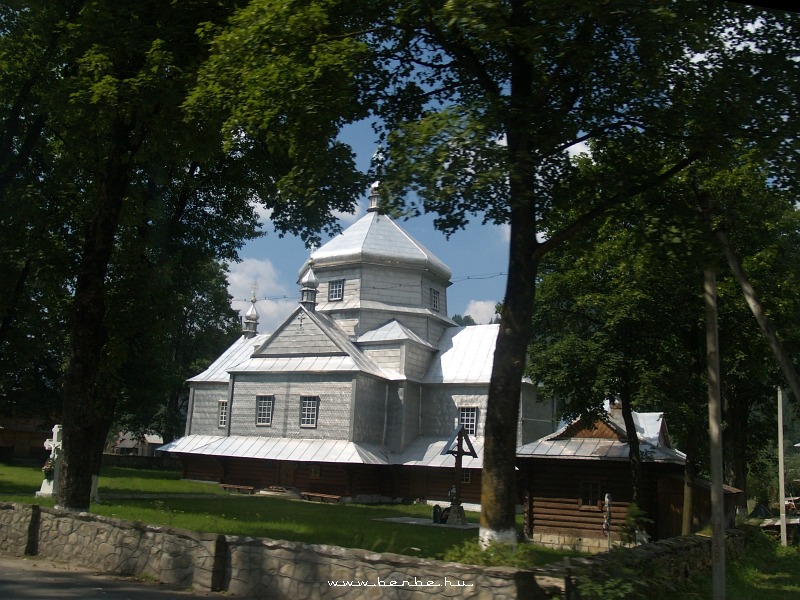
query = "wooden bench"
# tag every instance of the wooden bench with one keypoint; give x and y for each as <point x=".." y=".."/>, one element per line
<point x="318" y="497"/>
<point x="242" y="489"/>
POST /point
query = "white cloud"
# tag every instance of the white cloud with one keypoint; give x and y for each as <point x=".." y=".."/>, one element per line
<point x="261" y="272"/>
<point x="271" y="313"/>
<point x="263" y="213"/>
<point x="482" y="311"/>
<point x="347" y="219"/>
<point x="275" y="301"/>
<point x="505" y="232"/>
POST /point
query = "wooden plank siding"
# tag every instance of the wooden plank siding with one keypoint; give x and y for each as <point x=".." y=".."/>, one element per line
<point x="428" y="483"/>
<point x="326" y="478"/>
<point x="249" y="471"/>
<point x="202" y="468"/>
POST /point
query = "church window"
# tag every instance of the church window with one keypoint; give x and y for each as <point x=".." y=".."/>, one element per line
<point x="222" y="413"/>
<point x="435" y="299"/>
<point x="336" y="290"/>
<point x="309" y="407"/>
<point x="264" y="406"/>
<point x="468" y="417"/>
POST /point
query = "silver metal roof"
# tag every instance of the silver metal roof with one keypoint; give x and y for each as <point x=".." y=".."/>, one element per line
<point x="305" y="450"/>
<point x="352" y="358"/>
<point x="427" y="452"/>
<point x="465" y="355"/>
<point x="597" y="449"/>
<point x="392" y="332"/>
<point x="422" y="452"/>
<point x="237" y="352"/>
<point x="376" y="239"/>
<point x="653" y="449"/>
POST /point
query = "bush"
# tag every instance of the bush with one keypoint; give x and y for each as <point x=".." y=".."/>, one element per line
<point x="521" y="556"/>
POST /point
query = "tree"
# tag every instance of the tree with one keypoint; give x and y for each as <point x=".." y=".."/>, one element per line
<point x="620" y="309"/>
<point x="195" y="320"/>
<point x="464" y="321"/>
<point x="477" y="104"/>
<point x="617" y="319"/>
<point x="100" y="152"/>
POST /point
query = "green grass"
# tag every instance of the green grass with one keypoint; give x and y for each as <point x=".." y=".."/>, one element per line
<point x="767" y="571"/>
<point x="259" y="516"/>
<point x="348" y="525"/>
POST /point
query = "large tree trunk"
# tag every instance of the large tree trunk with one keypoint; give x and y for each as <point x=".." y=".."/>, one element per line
<point x="498" y="487"/>
<point x="737" y="411"/>
<point x="634" y="453"/>
<point x="87" y="411"/>
<point x="715" y="436"/>
<point x="689" y="472"/>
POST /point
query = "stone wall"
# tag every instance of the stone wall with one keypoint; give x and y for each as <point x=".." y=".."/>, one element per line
<point x="263" y="568"/>
<point x="183" y="558"/>
<point x="569" y="540"/>
<point x="244" y="566"/>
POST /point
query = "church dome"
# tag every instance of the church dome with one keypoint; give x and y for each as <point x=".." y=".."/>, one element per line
<point x="376" y="239"/>
<point x="252" y="314"/>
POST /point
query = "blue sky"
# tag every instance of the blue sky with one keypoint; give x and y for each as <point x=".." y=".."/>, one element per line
<point x="477" y="257"/>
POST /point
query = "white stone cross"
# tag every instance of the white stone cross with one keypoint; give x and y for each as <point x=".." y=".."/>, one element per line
<point x="52" y="466"/>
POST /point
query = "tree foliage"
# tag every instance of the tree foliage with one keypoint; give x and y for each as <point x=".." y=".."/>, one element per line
<point x="620" y="310"/>
<point x="476" y="104"/>
<point x="122" y="202"/>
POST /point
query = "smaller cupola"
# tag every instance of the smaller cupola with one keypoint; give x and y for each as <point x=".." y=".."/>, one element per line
<point x="374" y="197"/>
<point x="308" y="288"/>
<point x="250" y="328"/>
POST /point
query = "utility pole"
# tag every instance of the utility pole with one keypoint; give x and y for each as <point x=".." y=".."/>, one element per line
<point x="781" y="480"/>
<point x="715" y="437"/>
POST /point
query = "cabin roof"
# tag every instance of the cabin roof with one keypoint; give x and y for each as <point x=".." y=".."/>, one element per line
<point x="606" y="440"/>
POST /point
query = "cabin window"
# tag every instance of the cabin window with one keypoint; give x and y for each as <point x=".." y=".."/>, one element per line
<point x="313" y="472"/>
<point x="309" y="407"/>
<point x="466" y="476"/>
<point x="590" y="495"/>
<point x="264" y="407"/>
<point x="222" y="413"/>
<point x="435" y="299"/>
<point x="468" y="417"/>
<point x="336" y="290"/>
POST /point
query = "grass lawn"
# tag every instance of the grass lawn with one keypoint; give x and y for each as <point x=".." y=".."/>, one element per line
<point x="177" y="505"/>
<point x="768" y="571"/>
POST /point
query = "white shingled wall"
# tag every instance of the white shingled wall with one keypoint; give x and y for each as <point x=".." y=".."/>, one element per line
<point x="334" y="391"/>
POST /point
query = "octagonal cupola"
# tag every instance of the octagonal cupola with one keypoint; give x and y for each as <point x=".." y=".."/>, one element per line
<point x="308" y="288"/>
<point x="250" y="328"/>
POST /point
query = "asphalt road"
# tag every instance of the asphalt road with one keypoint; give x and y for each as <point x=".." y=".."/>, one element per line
<point x="32" y="578"/>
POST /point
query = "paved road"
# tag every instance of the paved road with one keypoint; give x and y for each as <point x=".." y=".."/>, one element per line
<point x="32" y="578"/>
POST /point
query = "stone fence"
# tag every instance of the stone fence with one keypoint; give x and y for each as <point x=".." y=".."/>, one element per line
<point x="264" y="568"/>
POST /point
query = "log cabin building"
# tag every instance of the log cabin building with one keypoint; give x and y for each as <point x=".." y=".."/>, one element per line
<point x="357" y="392"/>
<point x="565" y="477"/>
